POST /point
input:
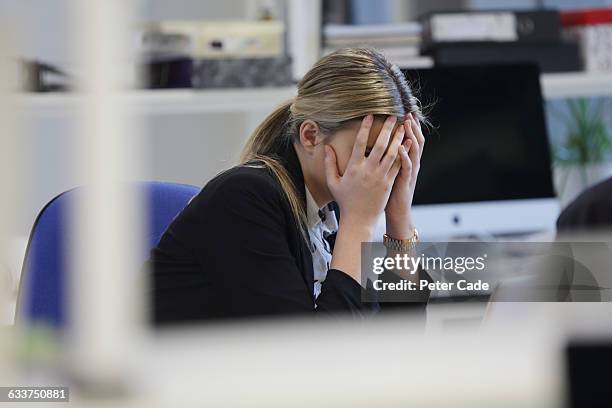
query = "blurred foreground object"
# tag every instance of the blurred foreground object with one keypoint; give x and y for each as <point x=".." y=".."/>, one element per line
<point x="9" y="183"/>
<point x="588" y="367"/>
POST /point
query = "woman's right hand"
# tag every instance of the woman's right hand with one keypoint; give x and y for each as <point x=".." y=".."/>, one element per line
<point x="363" y="190"/>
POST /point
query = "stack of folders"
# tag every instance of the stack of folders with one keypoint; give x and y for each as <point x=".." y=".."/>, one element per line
<point x="167" y="58"/>
<point x="480" y="37"/>
<point x="399" y="42"/>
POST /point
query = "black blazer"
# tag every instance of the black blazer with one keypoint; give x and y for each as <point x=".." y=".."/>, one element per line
<point x="236" y="251"/>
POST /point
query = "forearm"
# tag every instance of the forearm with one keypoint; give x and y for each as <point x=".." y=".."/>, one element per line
<point x="347" y="248"/>
<point x="402" y="228"/>
<point x="406" y="265"/>
<point x="399" y="226"/>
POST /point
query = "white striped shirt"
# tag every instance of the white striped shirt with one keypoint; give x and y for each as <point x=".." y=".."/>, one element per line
<point x="322" y="223"/>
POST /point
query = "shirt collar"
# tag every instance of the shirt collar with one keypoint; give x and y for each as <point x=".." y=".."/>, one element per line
<point x="316" y="215"/>
<point x="312" y="210"/>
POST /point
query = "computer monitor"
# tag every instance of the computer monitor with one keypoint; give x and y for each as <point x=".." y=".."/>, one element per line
<point x="486" y="167"/>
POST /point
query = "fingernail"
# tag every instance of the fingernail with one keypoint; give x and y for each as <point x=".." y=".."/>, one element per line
<point x="369" y="118"/>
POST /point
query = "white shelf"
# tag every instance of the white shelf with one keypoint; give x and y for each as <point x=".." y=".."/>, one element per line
<point x="182" y="101"/>
<point x="576" y="84"/>
<point x="208" y="101"/>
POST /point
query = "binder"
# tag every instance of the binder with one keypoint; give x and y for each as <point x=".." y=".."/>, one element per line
<point x="550" y="57"/>
<point x="498" y="26"/>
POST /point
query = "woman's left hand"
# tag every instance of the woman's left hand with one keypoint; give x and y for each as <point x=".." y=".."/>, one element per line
<point x="398" y="210"/>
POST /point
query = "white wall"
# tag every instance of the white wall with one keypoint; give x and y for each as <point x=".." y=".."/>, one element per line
<point x="194" y="9"/>
<point x="42" y="27"/>
<point x="187" y="149"/>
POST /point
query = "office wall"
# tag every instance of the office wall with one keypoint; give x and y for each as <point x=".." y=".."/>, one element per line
<point x="184" y="148"/>
<point x="42" y="27"/>
<point x="194" y="9"/>
<point x="179" y="145"/>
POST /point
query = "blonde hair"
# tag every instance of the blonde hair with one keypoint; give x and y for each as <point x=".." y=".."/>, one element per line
<point x="343" y="86"/>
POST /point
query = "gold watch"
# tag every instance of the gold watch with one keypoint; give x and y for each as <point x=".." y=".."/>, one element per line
<point x="401" y="245"/>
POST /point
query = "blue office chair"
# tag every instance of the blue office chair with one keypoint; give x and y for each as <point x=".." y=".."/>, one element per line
<point x="43" y="279"/>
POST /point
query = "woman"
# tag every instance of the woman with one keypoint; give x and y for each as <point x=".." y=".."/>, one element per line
<point x="263" y="238"/>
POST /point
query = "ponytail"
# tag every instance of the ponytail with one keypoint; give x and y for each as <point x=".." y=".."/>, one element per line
<point x="267" y="134"/>
<point x="260" y="148"/>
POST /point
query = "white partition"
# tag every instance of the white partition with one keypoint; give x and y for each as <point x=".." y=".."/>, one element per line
<point x="105" y="292"/>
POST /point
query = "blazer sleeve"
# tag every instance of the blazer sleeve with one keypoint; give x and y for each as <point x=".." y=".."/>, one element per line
<point x="391" y="302"/>
<point x="252" y="249"/>
<point x="404" y="300"/>
<point x="415" y="302"/>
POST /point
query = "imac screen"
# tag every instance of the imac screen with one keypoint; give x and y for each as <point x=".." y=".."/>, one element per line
<point x="489" y="139"/>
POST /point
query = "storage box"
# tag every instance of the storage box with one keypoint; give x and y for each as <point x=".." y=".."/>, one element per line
<point x="242" y="73"/>
<point x="592" y="31"/>
<point x="231" y="39"/>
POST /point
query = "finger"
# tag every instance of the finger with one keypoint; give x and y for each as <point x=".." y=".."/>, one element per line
<point x="382" y="141"/>
<point x="361" y="141"/>
<point x="418" y="132"/>
<point x="414" y="118"/>
<point x="392" y="151"/>
<point x="406" y="171"/>
<point x="396" y="168"/>
<point x="331" y="166"/>
<point x="415" y="148"/>
<point x="415" y="156"/>
<point x="407" y="128"/>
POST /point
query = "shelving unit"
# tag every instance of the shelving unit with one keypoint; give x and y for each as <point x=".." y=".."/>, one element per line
<point x="210" y="101"/>
<point x="180" y="101"/>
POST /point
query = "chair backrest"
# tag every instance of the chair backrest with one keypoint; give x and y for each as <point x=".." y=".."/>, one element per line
<point x="42" y="292"/>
